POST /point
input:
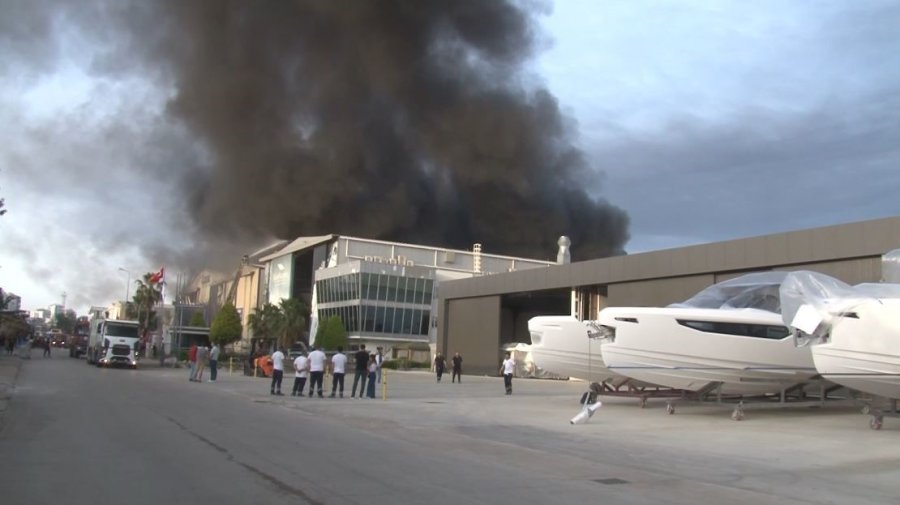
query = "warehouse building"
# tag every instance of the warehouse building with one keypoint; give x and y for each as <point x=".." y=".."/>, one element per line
<point x="480" y="316"/>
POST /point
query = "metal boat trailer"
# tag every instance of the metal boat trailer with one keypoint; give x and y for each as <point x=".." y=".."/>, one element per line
<point x="795" y="395"/>
<point x="629" y="388"/>
<point x="887" y="408"/>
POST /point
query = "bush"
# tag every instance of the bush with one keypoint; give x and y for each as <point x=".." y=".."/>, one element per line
<point x="405" y="364"/>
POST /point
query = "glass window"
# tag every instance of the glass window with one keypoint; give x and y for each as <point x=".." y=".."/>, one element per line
<point x="389" y="320"/>
<point x="425" y="322"/>
<point x="368" y="317"/>
<point x="364" y="286"/>
<point x="382" y="287"/>
<point x="354" y="319"/>
<point x="379" y="319"/>
<point x="405" y="316"/>
<point x="414" y="322"/>
<point x="392" y="288"/>
<point x="354" y="286"/>
<point x="401" y="289"/>
<point x="429" y="287"/>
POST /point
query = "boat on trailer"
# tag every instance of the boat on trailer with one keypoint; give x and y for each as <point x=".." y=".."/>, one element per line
<point x="729" y="339"/>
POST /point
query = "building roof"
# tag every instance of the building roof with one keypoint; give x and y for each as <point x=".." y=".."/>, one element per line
<point x="298" y="245"/>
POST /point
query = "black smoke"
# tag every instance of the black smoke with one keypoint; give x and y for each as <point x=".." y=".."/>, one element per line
<point x="413" y="121"/>
<point x="396" y="120"/>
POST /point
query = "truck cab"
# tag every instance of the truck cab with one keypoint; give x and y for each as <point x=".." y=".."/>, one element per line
<point x="113" y="343"/>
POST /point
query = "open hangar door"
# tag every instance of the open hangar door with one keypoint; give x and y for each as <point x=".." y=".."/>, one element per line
<point x="517" y="308"/>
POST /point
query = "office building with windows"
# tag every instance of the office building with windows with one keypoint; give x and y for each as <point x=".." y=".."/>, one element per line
<point x="383" y="292"/>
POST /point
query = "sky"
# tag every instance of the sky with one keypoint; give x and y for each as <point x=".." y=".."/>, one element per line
<point x="701" y="121"/>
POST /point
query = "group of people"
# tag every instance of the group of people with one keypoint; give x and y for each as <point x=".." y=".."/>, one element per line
<point x="440" y="364"/>
<point x="507" y="369"/>
<point x="199" y="357"/>
<point x="313" y="367"/>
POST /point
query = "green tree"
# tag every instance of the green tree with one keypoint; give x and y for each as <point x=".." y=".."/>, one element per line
<point x="331" y="333"/>
<point x="226" y="327"/>
<point x="146" y="296"/>
<point x="197" y="319"/>
<point x="293" y="321"/>
<point x="266" y="322"/>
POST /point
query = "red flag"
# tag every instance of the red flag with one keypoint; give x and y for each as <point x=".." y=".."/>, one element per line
<point x="158" y="276"/>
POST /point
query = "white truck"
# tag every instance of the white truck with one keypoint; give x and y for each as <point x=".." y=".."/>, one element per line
<point x="113" y="343"/>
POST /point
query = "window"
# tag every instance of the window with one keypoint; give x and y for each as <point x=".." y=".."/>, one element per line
<point x="382" y="287"/>
<point x="368" y="318"/>
<point x="740" y="329"/>
<point x="389" y="320"/>
<point x="429" y="287"/>
<point x="426" y="322"/>
<point x="379" y="319"/>
<point x="413" y="325"/>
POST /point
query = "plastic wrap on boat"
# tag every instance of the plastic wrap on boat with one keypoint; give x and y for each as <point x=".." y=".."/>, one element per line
<point x="751" y="291"/>
<point x="812" y="301"/>
<point x="890" y="267"/>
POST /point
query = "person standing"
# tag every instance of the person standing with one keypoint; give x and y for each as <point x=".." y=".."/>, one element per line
<point x="301" y="371"/>
<point x="338" y="370"/>
<point x="277" y="371"/>
<point x="316" y="371"/>
<point x="47" y="348"/>
<point x="373" y="370"/>
<point x="439" y="364"/>
<point x="213" y="362"/>
<point x="192" y="358"/>
<point x="202" y="354"/>
<point x="379" y="360"/>
<point x="362" y="364"/>
<point x="457" y="368"/>
<point x="507" y="369"/>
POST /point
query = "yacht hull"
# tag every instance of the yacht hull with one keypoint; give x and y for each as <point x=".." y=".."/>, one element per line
<point x="863" y="352"/>
<point x="747" y="351"/>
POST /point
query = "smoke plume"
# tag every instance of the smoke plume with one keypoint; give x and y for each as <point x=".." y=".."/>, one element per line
<point x="397" y="120"/>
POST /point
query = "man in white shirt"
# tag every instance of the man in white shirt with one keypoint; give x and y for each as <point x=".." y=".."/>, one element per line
<point x="379" y="360"/>
<point x="301" y="371"/>
<point x="214" y="362"/>
<point x="277" y="371"/>
<point x="316" y="371"/>
<point x="338" y="370"/>
<point x="507" y="369"/>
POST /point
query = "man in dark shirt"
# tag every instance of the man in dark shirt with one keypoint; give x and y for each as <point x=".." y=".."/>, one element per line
<point x="457" y="367"/>
<point x="361" y="371"/>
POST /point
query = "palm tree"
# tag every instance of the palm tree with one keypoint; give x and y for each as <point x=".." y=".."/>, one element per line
<point x="266" y="323"/>
<point x="293" y="321"/>
<point x="146" y="296"/>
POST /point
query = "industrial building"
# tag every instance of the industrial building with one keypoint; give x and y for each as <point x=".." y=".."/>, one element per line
<point x="384" y="292"/>
<point x="480" y="316"/>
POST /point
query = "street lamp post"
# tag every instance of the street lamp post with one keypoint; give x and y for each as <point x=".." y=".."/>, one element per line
<point x="127" y="283"/>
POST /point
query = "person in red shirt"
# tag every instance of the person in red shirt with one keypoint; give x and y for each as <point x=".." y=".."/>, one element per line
<point x="192" y="357"/>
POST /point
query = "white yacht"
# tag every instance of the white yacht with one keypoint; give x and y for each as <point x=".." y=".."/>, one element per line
<point x="729" y="336"/>
<point x="853" y="332"/>
<point x="567" y="347"/>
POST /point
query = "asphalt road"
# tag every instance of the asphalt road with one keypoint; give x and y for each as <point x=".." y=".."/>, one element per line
<point x="75" y="434"/>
